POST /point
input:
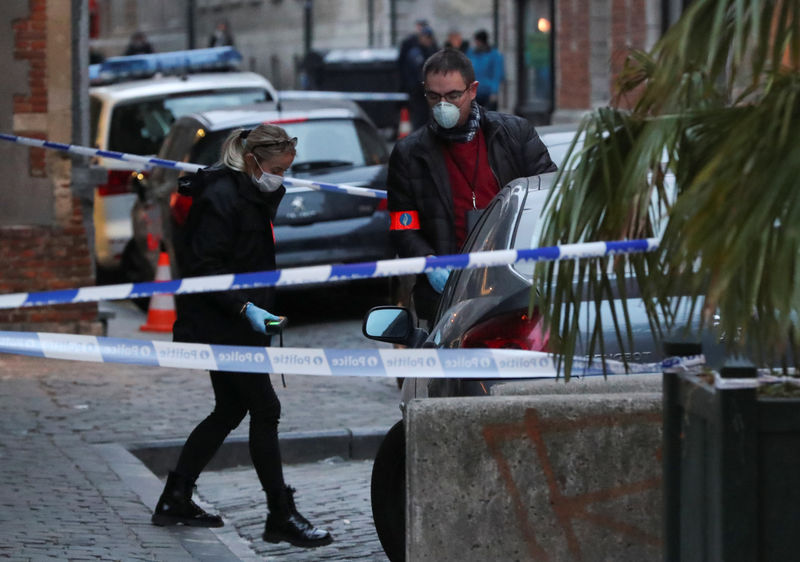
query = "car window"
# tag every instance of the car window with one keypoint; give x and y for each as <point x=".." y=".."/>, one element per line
<point x="529" y="228"/>
<point x="373" y="144"/>
<point x="199" y="102"/>
<point x="175" y="147"/>
<point x="323" y="141"/>
<point x="139" y="127"/>
<point x="483" y="238"/>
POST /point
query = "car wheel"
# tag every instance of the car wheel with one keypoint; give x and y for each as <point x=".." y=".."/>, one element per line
<point x="388" y="493"/>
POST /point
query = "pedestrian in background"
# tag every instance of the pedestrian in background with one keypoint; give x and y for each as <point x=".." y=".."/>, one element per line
<point x="456" y="41"/>
<point x="413" y="53"/>
<point x="138" y="45"/>
<point x="443" y="175"/>
<point x="222" y="36"/>
<point x="229" y="230"/>
<point x="489" y="70"/>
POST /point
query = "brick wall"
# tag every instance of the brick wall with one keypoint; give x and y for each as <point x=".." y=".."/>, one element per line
<point x="628" y="31"/>
<point x="572" y="55"/>
<point x="594" y="38"/>
<point x="52" y="254"/>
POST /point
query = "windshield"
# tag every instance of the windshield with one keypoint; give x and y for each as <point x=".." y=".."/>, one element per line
<point x="321" y="143"/>
<point x="139" y="127"/>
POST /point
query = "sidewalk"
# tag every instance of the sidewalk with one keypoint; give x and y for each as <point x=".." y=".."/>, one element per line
<point x="72" y="490"/>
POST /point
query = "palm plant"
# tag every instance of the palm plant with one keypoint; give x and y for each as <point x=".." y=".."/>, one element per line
<point x="717" y="107"/>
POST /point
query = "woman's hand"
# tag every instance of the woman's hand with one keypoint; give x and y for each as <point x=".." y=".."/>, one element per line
<point x="257" y="317"/>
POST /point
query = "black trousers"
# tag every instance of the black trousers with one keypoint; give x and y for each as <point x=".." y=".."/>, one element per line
<point x="236" y="394"/>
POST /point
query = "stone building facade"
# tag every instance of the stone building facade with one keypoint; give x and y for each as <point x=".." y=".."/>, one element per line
<point x="580" y="50"/>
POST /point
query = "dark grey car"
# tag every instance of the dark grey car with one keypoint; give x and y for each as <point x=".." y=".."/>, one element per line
<point x="337" y="144"/>
<point x="481" y="308"/>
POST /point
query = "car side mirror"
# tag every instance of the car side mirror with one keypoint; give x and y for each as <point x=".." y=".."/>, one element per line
<point x="392" y="324"/>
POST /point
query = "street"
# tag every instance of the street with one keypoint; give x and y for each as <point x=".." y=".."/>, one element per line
<point x="332" y="493"/>
<point x="67" y="500"/>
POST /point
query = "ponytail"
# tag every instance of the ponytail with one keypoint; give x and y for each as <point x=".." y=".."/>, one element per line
<point x="234" y="149"/>
<point x="263" y="141"/>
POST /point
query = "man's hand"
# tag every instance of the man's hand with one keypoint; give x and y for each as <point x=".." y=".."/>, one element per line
<point x="437" y="278"/>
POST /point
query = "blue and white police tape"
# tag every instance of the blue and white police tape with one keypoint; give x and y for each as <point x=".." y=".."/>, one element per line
<point x="143" y="161"/>
<point x="146" y="162"/>
<point x="354" y="96"/>
<point x="325" y="273"/>
<point x="389" y="362"/>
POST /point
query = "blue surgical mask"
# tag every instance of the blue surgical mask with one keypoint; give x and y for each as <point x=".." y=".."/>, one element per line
<point x="446" y="114"/>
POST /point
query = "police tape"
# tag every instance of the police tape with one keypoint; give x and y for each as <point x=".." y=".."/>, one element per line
<point x="377" y="362"/>
<point x="149" y="162"/>
<point x="326" y="273"/>
<point x="354" y="96"/>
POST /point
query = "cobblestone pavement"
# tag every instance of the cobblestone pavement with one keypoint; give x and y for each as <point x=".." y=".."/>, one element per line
<point x="62" y="499"/>
<point x="332" y="494"/>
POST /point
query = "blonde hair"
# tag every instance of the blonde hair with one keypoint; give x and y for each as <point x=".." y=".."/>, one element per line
<point x="263" y="141"/>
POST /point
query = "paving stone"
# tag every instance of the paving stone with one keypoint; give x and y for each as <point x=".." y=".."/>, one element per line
<point x="61" y="499"/>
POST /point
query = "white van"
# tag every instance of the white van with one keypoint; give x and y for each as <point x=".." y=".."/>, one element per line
<point x="134" y="101"/>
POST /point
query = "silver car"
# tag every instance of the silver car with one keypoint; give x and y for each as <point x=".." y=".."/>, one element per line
<point x="337" y="144"/>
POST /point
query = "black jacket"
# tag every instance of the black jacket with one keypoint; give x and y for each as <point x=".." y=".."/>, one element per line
<point x="228" y="230"/>
<point x="418" y="179"/>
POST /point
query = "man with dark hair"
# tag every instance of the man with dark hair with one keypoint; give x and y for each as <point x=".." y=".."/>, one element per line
<point x="442" y="174"/>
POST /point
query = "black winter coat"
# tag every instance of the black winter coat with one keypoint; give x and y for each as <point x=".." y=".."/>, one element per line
<point x="228" y="230"/>
<point x="418" y="179"/>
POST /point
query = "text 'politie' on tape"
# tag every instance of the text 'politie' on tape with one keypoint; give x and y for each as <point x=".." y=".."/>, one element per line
<point x="378" y="362"/>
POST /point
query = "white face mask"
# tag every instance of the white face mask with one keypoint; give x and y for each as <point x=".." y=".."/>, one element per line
<point x="267" y="183"/>
<point x="446" y="114"/>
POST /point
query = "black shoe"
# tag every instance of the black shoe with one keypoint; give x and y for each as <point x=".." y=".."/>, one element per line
<point x="285" y="524"/>
<point x="175" y="506"/>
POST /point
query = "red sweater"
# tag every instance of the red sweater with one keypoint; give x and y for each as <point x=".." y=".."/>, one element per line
<point x="468" y="168"/>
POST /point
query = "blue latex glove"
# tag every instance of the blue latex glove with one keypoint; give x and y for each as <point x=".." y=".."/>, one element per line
<point x="437" y="278"/>
<point x="257" y="316"/>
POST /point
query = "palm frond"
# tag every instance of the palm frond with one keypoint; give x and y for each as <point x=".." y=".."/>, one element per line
<point x="719" y="110"/>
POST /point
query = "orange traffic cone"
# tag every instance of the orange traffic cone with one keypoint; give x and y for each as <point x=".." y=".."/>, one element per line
<point x="404" y="129"/>
<point x="161" y="314"/>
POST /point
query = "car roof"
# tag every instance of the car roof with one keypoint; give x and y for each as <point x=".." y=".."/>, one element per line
<point x="168" y="85"/>
<point x="289" y="110"/>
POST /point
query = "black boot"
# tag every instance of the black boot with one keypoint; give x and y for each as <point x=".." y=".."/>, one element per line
<point x="285" y="524"/>
<point x="176" y="506"/>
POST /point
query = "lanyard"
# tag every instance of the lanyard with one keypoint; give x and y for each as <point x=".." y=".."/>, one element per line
<point x="472" y="183"/>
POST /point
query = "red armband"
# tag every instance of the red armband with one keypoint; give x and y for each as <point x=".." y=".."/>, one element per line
<point x="404" y="220"/>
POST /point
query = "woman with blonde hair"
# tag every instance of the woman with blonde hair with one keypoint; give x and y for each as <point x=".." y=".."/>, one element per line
<point x="229" y="230"/>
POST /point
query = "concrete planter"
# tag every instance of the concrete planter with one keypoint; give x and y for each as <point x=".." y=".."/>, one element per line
<point x="731" y="469"/>
<point x="569" y="477"/>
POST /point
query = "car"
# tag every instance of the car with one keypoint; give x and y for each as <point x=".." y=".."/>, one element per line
<point x="337" y="144"/>
<point x="482" y="308"/>
<point x="557" y="139"/>
<point x="133" y="102"/>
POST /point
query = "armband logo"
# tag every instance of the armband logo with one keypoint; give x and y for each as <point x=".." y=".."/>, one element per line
<point x="404" y="220"/>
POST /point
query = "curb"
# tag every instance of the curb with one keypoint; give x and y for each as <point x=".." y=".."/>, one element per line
<point x="296" y="448"/>
<point x="195" y="543"/>
<point x="139" y="466"/>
